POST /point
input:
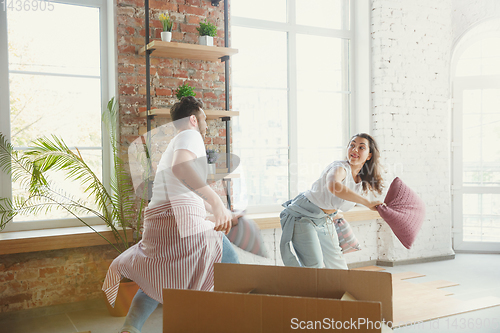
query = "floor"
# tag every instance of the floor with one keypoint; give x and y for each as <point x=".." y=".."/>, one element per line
<point x="477" y="274"/>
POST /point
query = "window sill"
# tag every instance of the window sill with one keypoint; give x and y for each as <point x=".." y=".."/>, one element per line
<point x="54" y="239"/>
<point x="272" y="220"/>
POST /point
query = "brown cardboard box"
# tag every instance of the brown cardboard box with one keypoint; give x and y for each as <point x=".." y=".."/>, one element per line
<point x="256" y="298"/>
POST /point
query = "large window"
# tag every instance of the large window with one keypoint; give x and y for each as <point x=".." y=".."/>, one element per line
<point x="57" y="67"/>
<point x="292" y="85"/>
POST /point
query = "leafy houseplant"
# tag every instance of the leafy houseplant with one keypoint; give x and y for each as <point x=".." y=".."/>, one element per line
<point x="184" y="90"/>
<point x="116" y="206"/>
<point x="167" y="23"/>
<point x="207" y="33"/>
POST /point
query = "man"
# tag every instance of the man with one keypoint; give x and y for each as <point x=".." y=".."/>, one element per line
<point x="179" y="246"/>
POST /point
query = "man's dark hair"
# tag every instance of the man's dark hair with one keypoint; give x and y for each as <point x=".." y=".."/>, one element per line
<point x="187" y="106"/>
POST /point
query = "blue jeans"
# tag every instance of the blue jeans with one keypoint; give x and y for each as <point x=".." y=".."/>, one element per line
<point x="317" y="245"/>
<point x="311" y="233"/>
<point x="143" y="306"/>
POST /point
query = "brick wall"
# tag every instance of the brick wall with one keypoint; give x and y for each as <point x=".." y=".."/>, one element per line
<point x="207" y="78"/>
<point x="411" y="45"/>
<point x="37" y="279"/>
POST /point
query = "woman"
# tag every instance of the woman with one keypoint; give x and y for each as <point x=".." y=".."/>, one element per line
<point x="307" y="220"/>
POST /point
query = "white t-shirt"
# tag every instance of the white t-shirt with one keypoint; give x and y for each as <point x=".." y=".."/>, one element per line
<point x="323" y="198"/>
<point x="166" y="186"/>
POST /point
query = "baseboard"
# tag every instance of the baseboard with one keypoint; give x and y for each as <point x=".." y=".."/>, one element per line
<point x="52" y="310"/>
<point x="414" y="261"/>
<point x="362" y="264"/>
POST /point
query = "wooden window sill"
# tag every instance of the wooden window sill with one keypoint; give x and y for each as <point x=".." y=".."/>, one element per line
<point x="54" y="239"/>
<point x="66" y="238"/>
<point x="272" y="220"/>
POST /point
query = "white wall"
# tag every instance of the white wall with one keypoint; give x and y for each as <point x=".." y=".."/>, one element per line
<point x="411" y="44"/>
<point x="467" y="13"/>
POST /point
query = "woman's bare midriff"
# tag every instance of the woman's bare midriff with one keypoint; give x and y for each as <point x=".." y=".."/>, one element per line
<point x="329" y="211"/>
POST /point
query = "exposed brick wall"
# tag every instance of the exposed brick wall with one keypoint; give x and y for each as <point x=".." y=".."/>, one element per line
<point x="411" y="45"/>
<point x="37" y="279"/>
<point x="207" y="78"/>
<point x="167" y="75"/>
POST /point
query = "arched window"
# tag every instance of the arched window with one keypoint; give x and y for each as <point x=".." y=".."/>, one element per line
<point x="476" y="139"/>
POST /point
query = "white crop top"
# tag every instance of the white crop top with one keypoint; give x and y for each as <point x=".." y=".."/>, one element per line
<point x="323" y="198"/>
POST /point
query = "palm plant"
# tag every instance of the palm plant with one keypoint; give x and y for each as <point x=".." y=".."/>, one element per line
<point x="115" y="207"/>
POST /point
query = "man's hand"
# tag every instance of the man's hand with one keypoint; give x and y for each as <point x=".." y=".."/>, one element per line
<point x="222" y="218"/>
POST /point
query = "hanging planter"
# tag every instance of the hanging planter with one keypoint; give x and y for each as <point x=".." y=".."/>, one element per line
<point x="207" y="33"/>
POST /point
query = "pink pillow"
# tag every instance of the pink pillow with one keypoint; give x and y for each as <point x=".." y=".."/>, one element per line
<point x="246" y="235"/>
<point x="404" y="212"/>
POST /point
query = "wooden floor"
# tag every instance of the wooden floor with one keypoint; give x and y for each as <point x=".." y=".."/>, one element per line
<point x="419" y="302"/>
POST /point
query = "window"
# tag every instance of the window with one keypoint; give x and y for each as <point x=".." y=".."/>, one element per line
<point x="292" y="85"/>
<point x="476" y="128"/>
<point x="58" y="85"/>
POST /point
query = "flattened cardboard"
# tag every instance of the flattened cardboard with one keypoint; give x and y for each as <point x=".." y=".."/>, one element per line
<point x="307" y="282"/>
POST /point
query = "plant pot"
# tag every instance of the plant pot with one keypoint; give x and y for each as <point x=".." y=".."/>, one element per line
<point x="166" y="36"/>
<point x="211" y="169"/>
<point x="126" y="293"/>
<point x="206" y="40"/>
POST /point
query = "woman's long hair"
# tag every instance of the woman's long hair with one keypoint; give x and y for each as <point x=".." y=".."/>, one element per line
<point x="370" y="173"/>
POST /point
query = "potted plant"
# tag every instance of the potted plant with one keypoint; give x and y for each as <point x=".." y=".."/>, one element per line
<point x="207" y="33"/>
<point x="166" y="34"/>
<point x="115" y="206"/>
<point x="184" y="90"/>
<point x="212" y="157"/>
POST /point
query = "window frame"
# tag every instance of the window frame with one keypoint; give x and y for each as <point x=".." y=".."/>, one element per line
<point x="108" y="89"/>
<point x="358" y="115"/>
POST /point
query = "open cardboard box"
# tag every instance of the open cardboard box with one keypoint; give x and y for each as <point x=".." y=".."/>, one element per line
<point x="256" y="298"/>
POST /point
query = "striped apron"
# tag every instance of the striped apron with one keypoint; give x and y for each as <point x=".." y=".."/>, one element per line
<point x="164" y="259"/>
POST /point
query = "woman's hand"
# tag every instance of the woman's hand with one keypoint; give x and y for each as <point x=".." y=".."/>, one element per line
<point x="373" y="204"/>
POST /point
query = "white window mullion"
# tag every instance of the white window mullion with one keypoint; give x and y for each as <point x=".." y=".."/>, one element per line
<point x="5" y="184"/>
<point x="293" y="166"/>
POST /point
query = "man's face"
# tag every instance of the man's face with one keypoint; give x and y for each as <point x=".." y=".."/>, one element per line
<point x="202" y="123"/>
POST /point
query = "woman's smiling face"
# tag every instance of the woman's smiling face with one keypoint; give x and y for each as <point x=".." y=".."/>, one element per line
<point x="358" y="151"/>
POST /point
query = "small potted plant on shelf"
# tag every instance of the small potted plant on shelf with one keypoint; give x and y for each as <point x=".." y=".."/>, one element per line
<point x="166" y="34"/>
<point x="212" y="157"/>
<point x="207" y="33"/>
<point x="184" y="90"/>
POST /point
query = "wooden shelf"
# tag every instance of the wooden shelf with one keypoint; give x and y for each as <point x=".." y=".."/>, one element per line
<point x="187" y="51"/>
<point x="211" y="114"/>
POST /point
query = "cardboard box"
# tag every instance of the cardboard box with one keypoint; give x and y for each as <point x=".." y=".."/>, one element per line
<point x="256" y="298"/>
